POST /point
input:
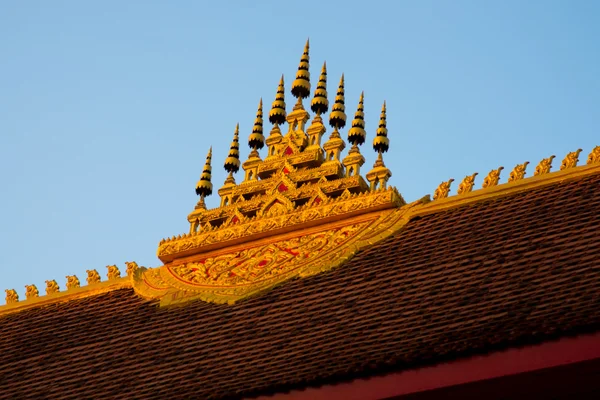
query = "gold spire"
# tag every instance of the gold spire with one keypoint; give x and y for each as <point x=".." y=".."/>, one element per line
<point x="256" y="140"/>
<point x="320" y="104"/>
<point x="301" y="85"/>
<point x="357" y="134"/>
<point x="277" y="114"/>
<point x="337" y="117"/>
<point x="232" y="162"/>
<point x="381" y="143"/>
<point x="204" y="187"/>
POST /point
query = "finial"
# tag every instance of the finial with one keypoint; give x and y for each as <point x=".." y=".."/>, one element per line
<point x="52" y="287"/>
<point x="204" y="186"/>
<point x="381" y="143"/>
<point x="443" y="189"/>
<point x="544" y="166"/>
<point x="492" y="178"/>
<point x="594" y="156"/>
<point x="72" y="282"/>
<point x="132" y="267"/>
<point x="92" y="276"/>
<point x="11" y="296"/>
<point x="113" y="272"/>
<point x="232" y="162"/>
<point x="320" y="104"/>
<point x="337" y="117"/>
<point x="518" y="172"/>
<point x="256" y="140"/>
<point x="571" y="160"/>
<point x="277" y="113"/>
<point x="357" y="134"/>
<point x="31" y="291"/>
<point x="301" y="85"/>
<point x="467" y="184"/>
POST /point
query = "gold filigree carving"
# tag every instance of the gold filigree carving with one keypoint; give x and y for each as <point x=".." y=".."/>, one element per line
<point x="442" y="190"/>
<point x="571" y="160"/>
<point x="52" y="287"/>
<point x="544" y="166"/>
<point x="467" y="184"/>
<point x="492" y="178"/>
<point x="594" y="156"/>
<point x="92" y="276"/>
<point x="11" y="296"/>
<point x="518" y="172"/>
<point x="31" y="291"/>
<point x="113" y="272"/>
<point x="72" y="282"/>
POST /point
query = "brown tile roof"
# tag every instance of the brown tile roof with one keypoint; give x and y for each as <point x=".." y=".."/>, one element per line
<point x="499" y="272"/>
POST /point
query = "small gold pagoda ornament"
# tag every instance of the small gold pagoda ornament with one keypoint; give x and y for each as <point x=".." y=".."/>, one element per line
<point x="11" y="296"/>
<point x="298" y="185"/>
<point x="518" y="172"/>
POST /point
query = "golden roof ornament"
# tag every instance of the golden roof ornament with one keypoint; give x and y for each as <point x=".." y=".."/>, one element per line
<point x="571" y="160"/>
<point x="31" y="291"/>
<point x="492" y="178"/>
<point x="380" y="174"/>
<point x="594" y="156"/>
<point x="72" y="282"/>
<point x="320" y="104"/>
<point x="467" y="184"/>
<point x="337" y="116"/>
<point x="301" y="85"/>
<point x="11" y="296"/>
<point x="442" y="190"/>
<point x="277" y="114"/>
<point x="544" y="166"/>
<point x="113" y="272"/>
<point x="518" y="172"/>
<point x="232" y="162"/>
<point x="357" y="133"/>
<point x="256" y="140"/>
<point x="92" y="276"/>
<point x="132" y="268"/>
<point x="204" y="186"/>
<point x="52" y="287"/>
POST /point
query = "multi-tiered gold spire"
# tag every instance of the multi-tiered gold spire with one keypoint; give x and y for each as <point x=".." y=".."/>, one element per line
<point x="256" y="140"/>
<point x="232" y="162"/>
<point x="356" y="135"/>
<point x="301" y="85"/>
<point x="320" y="104"/>
<point x="277" y="114"/>
<point x="380" y="174"/>
<point x="337" y="120"/>
<point x="204" y="186"/>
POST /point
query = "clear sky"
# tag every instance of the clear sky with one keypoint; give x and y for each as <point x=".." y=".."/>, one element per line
<point x="107" y="108"/>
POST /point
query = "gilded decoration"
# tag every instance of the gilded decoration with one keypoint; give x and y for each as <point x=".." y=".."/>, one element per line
<point x="442" y="190"/>
<point x="492" y="178"/>
<point x="52" y="287"/>
<point x="11" y="296"/>
<point x="570" y="160"/>
<point x="518" y="172"/>
<point x="113" y="272"/>
<point x="31" y="291"/>
<point x="594" y="156"/>
<point x="467" y="184"/>
<point x="544" y="166"/>
<point x="72" y="282"/>
<point x="92" y="276"/>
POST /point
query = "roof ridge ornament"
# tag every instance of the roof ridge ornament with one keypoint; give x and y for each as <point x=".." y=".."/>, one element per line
<point x="204" y="185"/>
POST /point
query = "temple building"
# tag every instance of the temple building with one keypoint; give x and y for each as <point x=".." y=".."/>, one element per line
<point x="315" y="279"/>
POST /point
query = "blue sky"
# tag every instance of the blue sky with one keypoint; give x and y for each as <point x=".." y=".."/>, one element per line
<point x="107" y="108"/>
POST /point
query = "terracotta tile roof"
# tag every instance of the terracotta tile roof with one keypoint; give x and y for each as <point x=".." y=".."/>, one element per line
<point x="500" y="272"/>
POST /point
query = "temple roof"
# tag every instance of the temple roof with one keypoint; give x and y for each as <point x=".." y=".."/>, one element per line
<point x="308" y="273"/>
<point x="502" y="266"/>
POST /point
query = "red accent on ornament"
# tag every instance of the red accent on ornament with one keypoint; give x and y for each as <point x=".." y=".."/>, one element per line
<point x="282" y="188"/>
<point x="289" y="151"/>
<point x="263" y="263"/>
<point x="317" y="200"/>
<point x="285" y="170"/>
<point x="235" y="219"/>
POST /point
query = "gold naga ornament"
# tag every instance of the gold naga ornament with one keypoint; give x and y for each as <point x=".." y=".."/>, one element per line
<point x="300" y="210"/>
